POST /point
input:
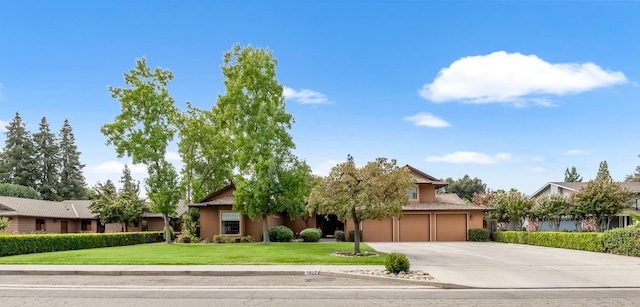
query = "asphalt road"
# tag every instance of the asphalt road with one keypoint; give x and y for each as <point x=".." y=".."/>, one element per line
<point x="279" y="291"/>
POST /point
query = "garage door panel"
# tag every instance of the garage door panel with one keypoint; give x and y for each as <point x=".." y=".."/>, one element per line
<point x="378" y="231"/>
<point x="414" y="228"/>
<point x="451" y="227"/>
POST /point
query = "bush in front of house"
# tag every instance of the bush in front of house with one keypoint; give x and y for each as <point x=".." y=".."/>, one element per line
<point x="479" y="235"/>
<point x="280" y="234"/>
<point x="396" y="263"/>
<point x="246" y="239"/>
<point x="223" y="239"/>
<point x="311" y="235"/>
<point x="623" y="241"/>
<point x="587" y="241"/>
<point x="29" y="244"/>
<point x="339" y="234"/>
<point x="352" y="236"/>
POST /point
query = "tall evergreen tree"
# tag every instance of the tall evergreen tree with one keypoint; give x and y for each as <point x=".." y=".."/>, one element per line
<point x="603" y="172"/>
<point x="572" y="175"/>
<point x="634" y="177"/>
<point x="48" y="162"/>
<point x="17" y="160"/>
<point x="72" y="184"/>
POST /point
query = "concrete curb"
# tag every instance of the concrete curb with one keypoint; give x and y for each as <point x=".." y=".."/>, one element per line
<point x="410" y="281"/>
<point x="154" y="273"/>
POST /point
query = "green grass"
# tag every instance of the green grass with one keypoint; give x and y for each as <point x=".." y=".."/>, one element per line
<point x="205" y="254"/>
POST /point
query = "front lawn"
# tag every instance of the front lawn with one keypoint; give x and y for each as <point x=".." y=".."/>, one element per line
<point x="205" y="254"/>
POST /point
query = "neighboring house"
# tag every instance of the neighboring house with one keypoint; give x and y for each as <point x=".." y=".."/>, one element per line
<point x="150" y="221"/>
<point x="427" y="217"/>
<point x="567" y="188"/>
<point x="71" y="216"/>
<point x="30" y="215"/>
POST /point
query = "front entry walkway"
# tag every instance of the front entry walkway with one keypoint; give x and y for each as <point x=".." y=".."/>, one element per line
<point x="502" y="265"/>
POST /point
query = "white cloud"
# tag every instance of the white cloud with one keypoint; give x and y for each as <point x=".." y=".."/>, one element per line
<point x="173" y="156"/>
<point x="114" y="167"/>
<point x="515" y="78"/>
<point x="325" y="168"/>
<point x="471" y="157"/>
<point x="428" y="120"/>
<point x="3" y="125"/>
<point x="305" y="96"/>
<point x="576" y="152"/>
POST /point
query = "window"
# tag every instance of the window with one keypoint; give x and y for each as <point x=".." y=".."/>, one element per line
<point x="145" y="225"/>
<point x="85" y="225"/>
<point x="40" y="226"/>
<point x="136" y="224"/>
<point x="412" y="193"/>
<point x="230" y="223"/>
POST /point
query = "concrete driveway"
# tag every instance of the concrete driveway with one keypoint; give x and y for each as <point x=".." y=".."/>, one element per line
<point x="502" y="265"/>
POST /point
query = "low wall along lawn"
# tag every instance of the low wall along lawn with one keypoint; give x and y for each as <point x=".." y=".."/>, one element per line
<point x="41" y="243"/>
<point x="620" y="241"/>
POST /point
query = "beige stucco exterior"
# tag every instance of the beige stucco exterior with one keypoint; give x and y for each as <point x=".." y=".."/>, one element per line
<point x="27" y="224"/>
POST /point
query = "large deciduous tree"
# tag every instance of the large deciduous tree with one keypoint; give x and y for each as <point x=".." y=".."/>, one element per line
<point x="465" y="187"/>
<point x="17" y="160"/>
<point x="571" y="175"/>
<point x="143" y="130"/>
<point x="72" y="184"/>
<point x="253" y="124"/>
<point x="602" y="199"/>
<point x="372" y="192"/>
<point x="48" y="162"/>
<point x="207" y="162"/>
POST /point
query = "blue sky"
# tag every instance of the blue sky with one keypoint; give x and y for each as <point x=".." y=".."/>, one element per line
<point x="509" y="92"/>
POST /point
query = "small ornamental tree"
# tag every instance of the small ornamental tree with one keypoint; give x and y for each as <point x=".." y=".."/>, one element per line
<point x="4" y="223"/>
<point x="371" y="192"/>
<point x="552" y="208"/>
<point x="602" y="199"/>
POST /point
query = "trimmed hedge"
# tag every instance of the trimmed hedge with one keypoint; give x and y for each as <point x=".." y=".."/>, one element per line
<point x="587" y="241"/>
<point x="280" y="234"/>
<point x="479" y="235"/>
<point x="311" y="235"/>
<point x="623" y="241"/>
<point x="28" y="244"/>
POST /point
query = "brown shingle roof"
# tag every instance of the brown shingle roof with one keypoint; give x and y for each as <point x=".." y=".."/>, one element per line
<point x="216" y="202"/>
<point x="44" y="208"/>
<point x="446" y="201"/>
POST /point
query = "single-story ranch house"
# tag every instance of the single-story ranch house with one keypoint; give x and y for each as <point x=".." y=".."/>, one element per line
<point x="70" y="216"/>
<point x="428" y="216"/>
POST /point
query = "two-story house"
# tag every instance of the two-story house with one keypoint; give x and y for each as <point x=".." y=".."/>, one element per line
<point x="428" y="216"/>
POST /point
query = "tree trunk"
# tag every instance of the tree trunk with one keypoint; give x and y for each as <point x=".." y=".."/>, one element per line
<point x="126" y="228"/>
<point x="356" y="235"/>
<point x="167" y="229"/>
<point x="265" y="229"/>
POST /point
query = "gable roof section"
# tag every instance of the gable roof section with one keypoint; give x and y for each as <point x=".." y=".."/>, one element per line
<point x="575" y="186"/>
<point x="213" y="194"/>
<point x="423" y="177"/>
<point x="445" y="202"/>
<point x="43" y="208"/>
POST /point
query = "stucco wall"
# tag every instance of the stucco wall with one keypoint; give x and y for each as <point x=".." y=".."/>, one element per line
<point x="426" y="193"/>
<point x="27" y="224"/>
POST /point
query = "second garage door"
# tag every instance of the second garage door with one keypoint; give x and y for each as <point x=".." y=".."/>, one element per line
<point x="414" y="228"/>
<point x="451" y="227"/>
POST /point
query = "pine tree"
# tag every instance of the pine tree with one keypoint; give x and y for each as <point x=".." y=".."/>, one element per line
<point x="603" y="172"/>
<point x="72" y="185"/>
<point x="48" y="162"/>
<point x="572" y="175"/>
<point x="17" y="160"/>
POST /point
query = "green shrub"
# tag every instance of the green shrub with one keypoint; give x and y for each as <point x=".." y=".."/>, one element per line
<point x="223" y="239"/>
<point x="339" y="234"/>
<point x="479" y="235"/>
<point x="588" y="241"/>
<point x="623" y="241"/>
<point x="246" y="239"/>
<point x="28" y="244"/>
<point x="352" y="236"/>
<point x="173" y="234"/>
<point x="280" y="234"/>
<point x="396" y="263"/>
<point x="311" y="235"/>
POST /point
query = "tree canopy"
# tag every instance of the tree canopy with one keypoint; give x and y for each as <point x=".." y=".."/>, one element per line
<point x="253" y="127"/>
<point x="465" y="187"/>
<point x="15" y="190"/>
<point x="17" y="159"/>
<point x="510" y="206"/>
<point x="143" y="130"/>
<point x="572" y="175"/>
<point x="602" y="199"/>
<point x="603" y="171"/>
<point x="371" y="192"/>
<point x="552" y="208"/>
